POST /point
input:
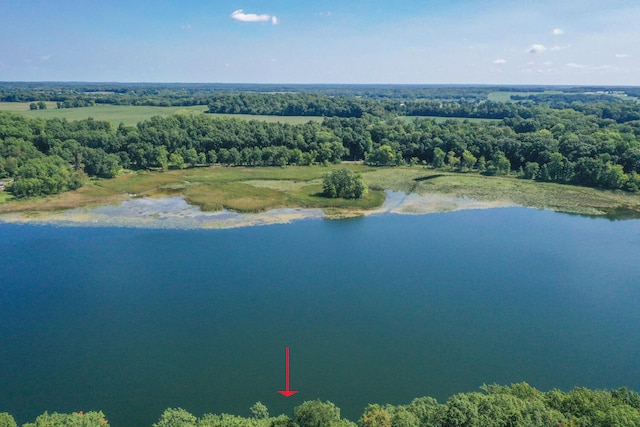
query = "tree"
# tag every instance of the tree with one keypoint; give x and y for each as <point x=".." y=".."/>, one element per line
<point x="375" y="416"/>
<point x="343" y="183"/>
<point x="6" y="420"/>
<point x="500" y="165"/>
<point x="468" y="160"/>
<point x="162" y="157"/>
<point x="438" y="158"/>
<point x="259" y="411"/>
<point x="452" y="160"/>
<point x="177" y="160"/>
<point x="176" y="418"/>
<point x="531" y="170"/>
<point x="77" y="419"/>
<point x="315" y="413"/>
<point x="382" y="156"/>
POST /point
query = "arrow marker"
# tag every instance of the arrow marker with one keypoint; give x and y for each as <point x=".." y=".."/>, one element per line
<point x="287" y="392"/>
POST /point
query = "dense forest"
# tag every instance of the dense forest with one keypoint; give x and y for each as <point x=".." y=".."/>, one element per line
<point x="518" y="405"/>
<point x="569" y="141"/>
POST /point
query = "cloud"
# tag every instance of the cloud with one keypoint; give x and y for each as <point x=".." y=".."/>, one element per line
<point x="239" y="15"/>
<point x="623" y="55"/>
<point x="536" y="48"/>
<point x="185" y="27"/>
<point x="576" y="66"/>
<point x="558" y="31"/>
<point x="556" y="48"/>
<point x="500" y="61"/>
<point x="45" y="57"/>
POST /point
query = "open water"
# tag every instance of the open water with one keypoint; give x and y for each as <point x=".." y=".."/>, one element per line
<point x="378" y="309"/>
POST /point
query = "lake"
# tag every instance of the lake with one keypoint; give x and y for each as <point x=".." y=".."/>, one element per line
<point x="381" y="309"/>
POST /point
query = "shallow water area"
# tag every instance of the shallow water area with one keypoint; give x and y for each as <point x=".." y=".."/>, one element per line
<point x="398" y="202"/>
<point x="163" y="212"/>
<point x="175" y="212"/>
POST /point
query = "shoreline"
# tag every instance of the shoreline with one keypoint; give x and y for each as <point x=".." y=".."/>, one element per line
<point x="173" y="212"/>
<point x="219" y="197"/>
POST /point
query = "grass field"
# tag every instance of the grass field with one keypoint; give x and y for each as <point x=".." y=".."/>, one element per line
<point x="131" y="115"/>
<point x="259" y="189"/>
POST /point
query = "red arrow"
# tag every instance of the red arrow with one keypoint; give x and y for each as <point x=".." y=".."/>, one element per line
<point x="287" y="392"/>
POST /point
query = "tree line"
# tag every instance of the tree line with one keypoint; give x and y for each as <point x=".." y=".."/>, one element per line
<point x="593" y="145"/>
<point x="518" y="405"/>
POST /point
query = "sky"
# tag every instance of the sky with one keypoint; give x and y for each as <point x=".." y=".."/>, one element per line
<point x="562" y="42"/>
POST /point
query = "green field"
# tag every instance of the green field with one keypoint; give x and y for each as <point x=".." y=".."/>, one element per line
<point x="131" y="115"/>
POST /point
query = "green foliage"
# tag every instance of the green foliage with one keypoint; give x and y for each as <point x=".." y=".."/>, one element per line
<point x="438" y="157"/>
<point x="176" y="418"/>
<point x="518" y="405"/>
<point x="6" y="420"/>
<point x="259" y="411"/>
<point x="343" y="183"/>
<point x="315" y="413"/>
<point x="452" y="160"/>
<point x="375" y="416"/>
<point x="383" y="156"/>
<point x="468" y="160"/>
<point x="44" y="176"/>
<point x="77" y="419"/>
<point x="592" y="142"/>
<point x="177" y="160"/>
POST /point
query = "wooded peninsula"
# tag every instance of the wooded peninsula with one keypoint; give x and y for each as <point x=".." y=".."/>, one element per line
<point x="573" y="149"/>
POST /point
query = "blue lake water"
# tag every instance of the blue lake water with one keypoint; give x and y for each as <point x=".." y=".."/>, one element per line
<point x="378" y="309"/>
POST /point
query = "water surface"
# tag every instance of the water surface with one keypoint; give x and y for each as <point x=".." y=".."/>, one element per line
<point x="378" y="309"/>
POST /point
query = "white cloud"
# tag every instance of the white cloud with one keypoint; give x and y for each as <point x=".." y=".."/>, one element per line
<point x="576" y="66"/>
<point x="556" y="48"/>
<point x="623" y="55"/>
<point x="500" y="61"/>
<point x="239" y="15"/>
<point x="186" y="27"/>
<point x="45" y="57"/>
<point x="558" y="31"/>
<point x="536" y="48"/>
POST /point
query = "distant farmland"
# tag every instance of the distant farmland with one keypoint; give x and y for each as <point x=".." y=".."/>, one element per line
<point x="131" y="115"/>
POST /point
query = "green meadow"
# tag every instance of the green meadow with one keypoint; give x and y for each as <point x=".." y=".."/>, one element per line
<point x="130" y="115"/>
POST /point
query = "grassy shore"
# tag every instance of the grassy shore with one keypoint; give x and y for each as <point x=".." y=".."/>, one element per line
<point x="259" y="189"/>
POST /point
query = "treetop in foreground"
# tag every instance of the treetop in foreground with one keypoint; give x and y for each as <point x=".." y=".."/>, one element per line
<point x="518" y="405"/>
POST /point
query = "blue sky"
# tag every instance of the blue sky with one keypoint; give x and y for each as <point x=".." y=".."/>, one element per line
<point x="322" y="41"/>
